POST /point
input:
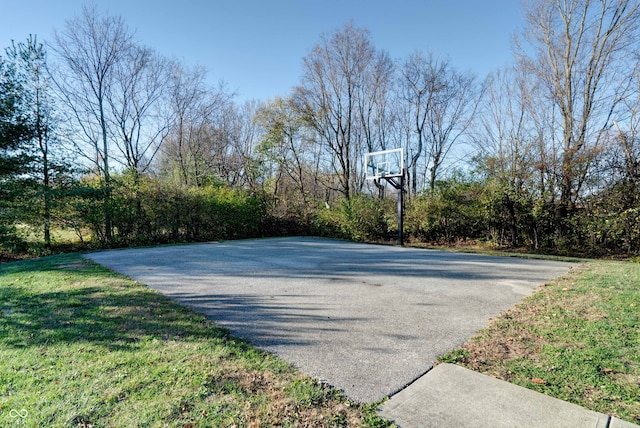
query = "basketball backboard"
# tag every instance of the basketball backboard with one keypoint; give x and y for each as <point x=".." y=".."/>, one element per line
<point x="384" y="164"/>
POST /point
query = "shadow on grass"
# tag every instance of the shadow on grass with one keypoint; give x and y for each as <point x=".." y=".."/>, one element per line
<point x="128" y="356"/>
<point x="44" y="303"/>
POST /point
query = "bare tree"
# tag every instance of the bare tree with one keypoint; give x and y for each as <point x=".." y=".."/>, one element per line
<point x="623" y="156"/>
<point x="625" y="162"/>
<point x="342" y="82"/>
<point x="187" y="96"/>
<point x="374" y="111"/>
<point x="244" y="134"/>
<point x="418" y="84"/>
<point x="577" y="50"/>
<point x="506" y="138"/>
<point x="372" y="98"/>
<point x="137" y="112"/>
<point x="452" y="113"/>
<point x="228" y="148"/>
<point x="198" y="138"/>
<point x="90" y="48"/>
<point x="441" y="103"/>
<point x="509" y="151"/>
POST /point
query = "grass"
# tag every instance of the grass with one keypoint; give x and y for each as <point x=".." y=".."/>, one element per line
<point x="576" y="339"/>
<point x="62" y="235"/>
<point x="81" y="346"/>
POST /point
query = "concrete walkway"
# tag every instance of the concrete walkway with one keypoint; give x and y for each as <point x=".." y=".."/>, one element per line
<point x="367" y="319"/>
<point x="452" y="396"/>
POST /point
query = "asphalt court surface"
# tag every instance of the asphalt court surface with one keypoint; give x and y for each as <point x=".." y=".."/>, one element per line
<point x="368" y="319"/>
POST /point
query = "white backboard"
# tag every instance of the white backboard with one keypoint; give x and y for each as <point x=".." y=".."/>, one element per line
<point x="386" y="163"/>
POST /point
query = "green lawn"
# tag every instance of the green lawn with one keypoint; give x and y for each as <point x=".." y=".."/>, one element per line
<point x="82" y="346"/>
<point x="577" y="339"/>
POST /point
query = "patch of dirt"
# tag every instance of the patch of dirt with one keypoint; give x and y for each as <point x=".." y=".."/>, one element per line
<point x="280" y="406"/>
<point x="496" y="349"/>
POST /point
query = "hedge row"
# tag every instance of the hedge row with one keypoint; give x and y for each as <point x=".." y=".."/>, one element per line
<point x="148" y="211"/>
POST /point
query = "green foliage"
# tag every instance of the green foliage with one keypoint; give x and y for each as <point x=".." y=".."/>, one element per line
<point x="487" y="210"/>
<point x="509" y="216"/>
<point x="603" y="231"/>
<point x="30" y="175"/>
<point x="15" y="128"/>
<point x="452" y="212"/>
<point x="150" y="211"/>
<point x="12" y="207"/>
<point x="144" y="211"/>
<point x="15" y="132"/>
<point x="610" y="220"/>
<point x="454" y="357"/>
<point x="360" y="218"/>
<point x="10" y="240"/>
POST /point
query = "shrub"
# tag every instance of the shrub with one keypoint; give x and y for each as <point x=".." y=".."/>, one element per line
<point x="361" y="218"/>
<point x="452" y="212"/>
<point x="148" y="211"/>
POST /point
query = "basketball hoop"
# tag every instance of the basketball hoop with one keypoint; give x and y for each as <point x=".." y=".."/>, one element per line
<point x="388" y="165"/>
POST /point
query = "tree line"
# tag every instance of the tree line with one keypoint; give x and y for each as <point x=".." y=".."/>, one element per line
<point x="101" y="134"/>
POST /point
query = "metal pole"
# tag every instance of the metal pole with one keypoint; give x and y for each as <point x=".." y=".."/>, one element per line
<point x="400" y="210"/>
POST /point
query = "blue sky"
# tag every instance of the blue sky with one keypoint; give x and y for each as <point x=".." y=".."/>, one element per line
<point x="257" y="46"/>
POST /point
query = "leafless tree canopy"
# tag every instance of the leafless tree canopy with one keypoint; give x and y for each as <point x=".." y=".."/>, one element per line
<point x="579" y="51"/>
<point x="441" y="103"/>
<point x="548" y="133"/>
<point x="200" y="146"/>
<point x="345" y="80"/>
<point x="90" y="49"/>
<point x="137" y="103"/>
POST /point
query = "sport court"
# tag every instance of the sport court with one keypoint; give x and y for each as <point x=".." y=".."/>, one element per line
<point x="368" y="319"/>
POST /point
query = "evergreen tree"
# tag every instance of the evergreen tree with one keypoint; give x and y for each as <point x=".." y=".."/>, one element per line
<point x="15" y="133"/>
<point x="29" y="165"/>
